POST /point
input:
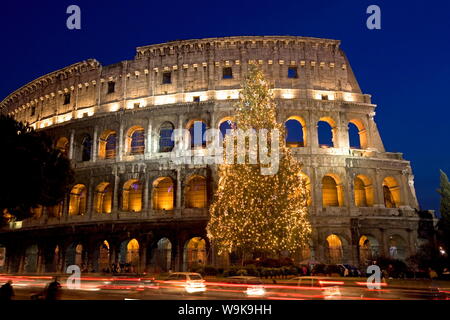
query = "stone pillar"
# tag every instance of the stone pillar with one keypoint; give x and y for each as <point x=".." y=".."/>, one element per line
<point x="115" y="207"/>
<point x="95" y="145"/>
<point x="178" y="203"/>
<point x="149" y="138"/>
<point x="71" y="144"/>
<point x="121" y="137"/>
<point x="145" y="208"/>
<point x="383" y="245"/>
<point x="378" y="190"/>
<point x="312" y="136"/>
<point x="90" y="198"/>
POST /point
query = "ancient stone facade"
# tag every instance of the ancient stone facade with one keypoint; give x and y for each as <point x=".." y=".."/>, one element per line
<point x="114" y="121"/>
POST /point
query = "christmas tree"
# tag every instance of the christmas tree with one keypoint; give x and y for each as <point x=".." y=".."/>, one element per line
<point x="253" y="211"/>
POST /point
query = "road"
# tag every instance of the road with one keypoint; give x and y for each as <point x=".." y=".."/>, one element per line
<point x="97" y="288"/>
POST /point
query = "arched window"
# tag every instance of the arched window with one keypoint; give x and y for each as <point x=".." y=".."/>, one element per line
<point x="368" y="249"/>
<point x="63" y="145"/>
<point x="363" y="191"/>
<point x="163" y="255"/>
<point x="107" y="145"/>
<point x="225" y="126"/>
<point x="103" y="198"/>
<point x="86" y="148"/>
<point x="132" y="196"/>
<point x="163" y="194"/>
<point x="31" y="259"/>
<point x="391" y="193"/>
<point x="196" y="193"/>
<point x="331" y="192"/>
<point x="133" y="252"/>
<point x="353" y="136"/>
<point x="136" y="140"/>
<point x="166" y="142"/>
<point x="194" y="252"/>
<point x="295" y="132"/>
<point x="397" y="247"/>
<point x="326" y="130"/>
<point x="77" y="200"/>
<point x="197" y="129"/>
<point x="103" y="257"/>
<point x="357" y="134"/>
<point x="334" y="249"/>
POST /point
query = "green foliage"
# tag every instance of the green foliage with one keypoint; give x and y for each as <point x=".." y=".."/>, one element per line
<point x="33" y="172"/>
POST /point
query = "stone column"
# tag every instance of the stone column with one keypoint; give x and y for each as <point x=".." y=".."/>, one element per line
<point x="95" y="144"/>
<point x="145" y="208"/>
<point x="71" y="144"/>
<point x="178" y="204"/>
<point x="121" y="142"/>
<point x="148" y="139"/>
<point x="312" y="136"/>
<point x="115" y="207"/>
<point x="90" y="198"/>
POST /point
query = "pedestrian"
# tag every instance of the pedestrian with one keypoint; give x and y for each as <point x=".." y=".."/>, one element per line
<point x="6" y="291"/>
<point x="53" y="290"/>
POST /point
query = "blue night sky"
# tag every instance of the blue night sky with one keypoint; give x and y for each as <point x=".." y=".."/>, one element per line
<point x="405" y="65"/>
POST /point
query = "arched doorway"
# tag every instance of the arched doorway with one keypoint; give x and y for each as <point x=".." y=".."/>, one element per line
<point x="77" y="200"/>
<point x="194" y="253"/>
<point x="31" y="259"/>
<point x="163" y="194"/>
<point x="163" y="255"/>
<point x="103" y="257"/>
<point x="334" y="250"/>
<point x="129" y="256"/>
<point x="391" y="193"/>
<point x="368" y="249"/>
<point x="195" y="192"/>
<point x="397" y="247"/>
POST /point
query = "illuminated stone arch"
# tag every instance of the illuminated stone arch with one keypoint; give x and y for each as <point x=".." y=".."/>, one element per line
<point x="36" y="212"/>
<point x="132" y="196"/>
<point x="166" y="143"/>
<point x="56" y="210"/>
<point x="195" y="192"/>
<point x="334" y="249"/>
<point x="135" y="140"/>
<point x="75" y="254"/>
<point x="107" y="146"/>
<point x="163" y="194"/>
<point x="77" y="200"/>
<point x="129" y="254"/>
<point x="332" y="191"/>
<point x="299" y="134"/>
<point x="391" y="193"/>
<point x="104" y="256"/>
<point x="62" y="144"/>
<point x="362" y="134"/>
<point x="368" y="247"/>
<point x="103" y="198"/>
<point x="363" y="191"/>
<point x="31" y="259"/>
<point x="327" y="132"/>
<point x="194" y="252"/>
<point x="397" y="247"/>
<point x="197" y="129"/>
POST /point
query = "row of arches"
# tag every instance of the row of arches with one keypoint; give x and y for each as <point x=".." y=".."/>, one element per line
<point x="124" y="258"/>
<point x="368" y="248"/>
<point x="363" y="192"/>
<point x="296" y="136"/>
<point x="162" y="195"/>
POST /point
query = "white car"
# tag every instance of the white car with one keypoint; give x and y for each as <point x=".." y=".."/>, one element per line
<point x="184" y="282"/>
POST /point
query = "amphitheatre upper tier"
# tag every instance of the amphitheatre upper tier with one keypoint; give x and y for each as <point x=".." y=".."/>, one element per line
<point x="188" y="71"/>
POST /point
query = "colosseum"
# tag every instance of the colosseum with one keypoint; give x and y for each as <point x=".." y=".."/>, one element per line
<point x="133" y="206"/>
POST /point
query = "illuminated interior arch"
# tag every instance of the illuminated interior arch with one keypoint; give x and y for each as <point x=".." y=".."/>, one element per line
<point x="133" y="252"/>
<point x="103" y="198"/>
<point x="296" y="133"/>
<point x="163" y="194"/>
<point x="334" y="249"/>
<point x="195" y="252"/>
<point x="135" y="140"/>
<point x="132" y="196"/>
<point x="107" y="145"/>
<point x="391" y="193"/>
<point x="77" y="200"/>
<point x="363" y="191"/>
<point x="368" y="249"/>
<point x="103" y="257"/>
<point x="195" y="192"/>
<point x="332" y="191"/>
